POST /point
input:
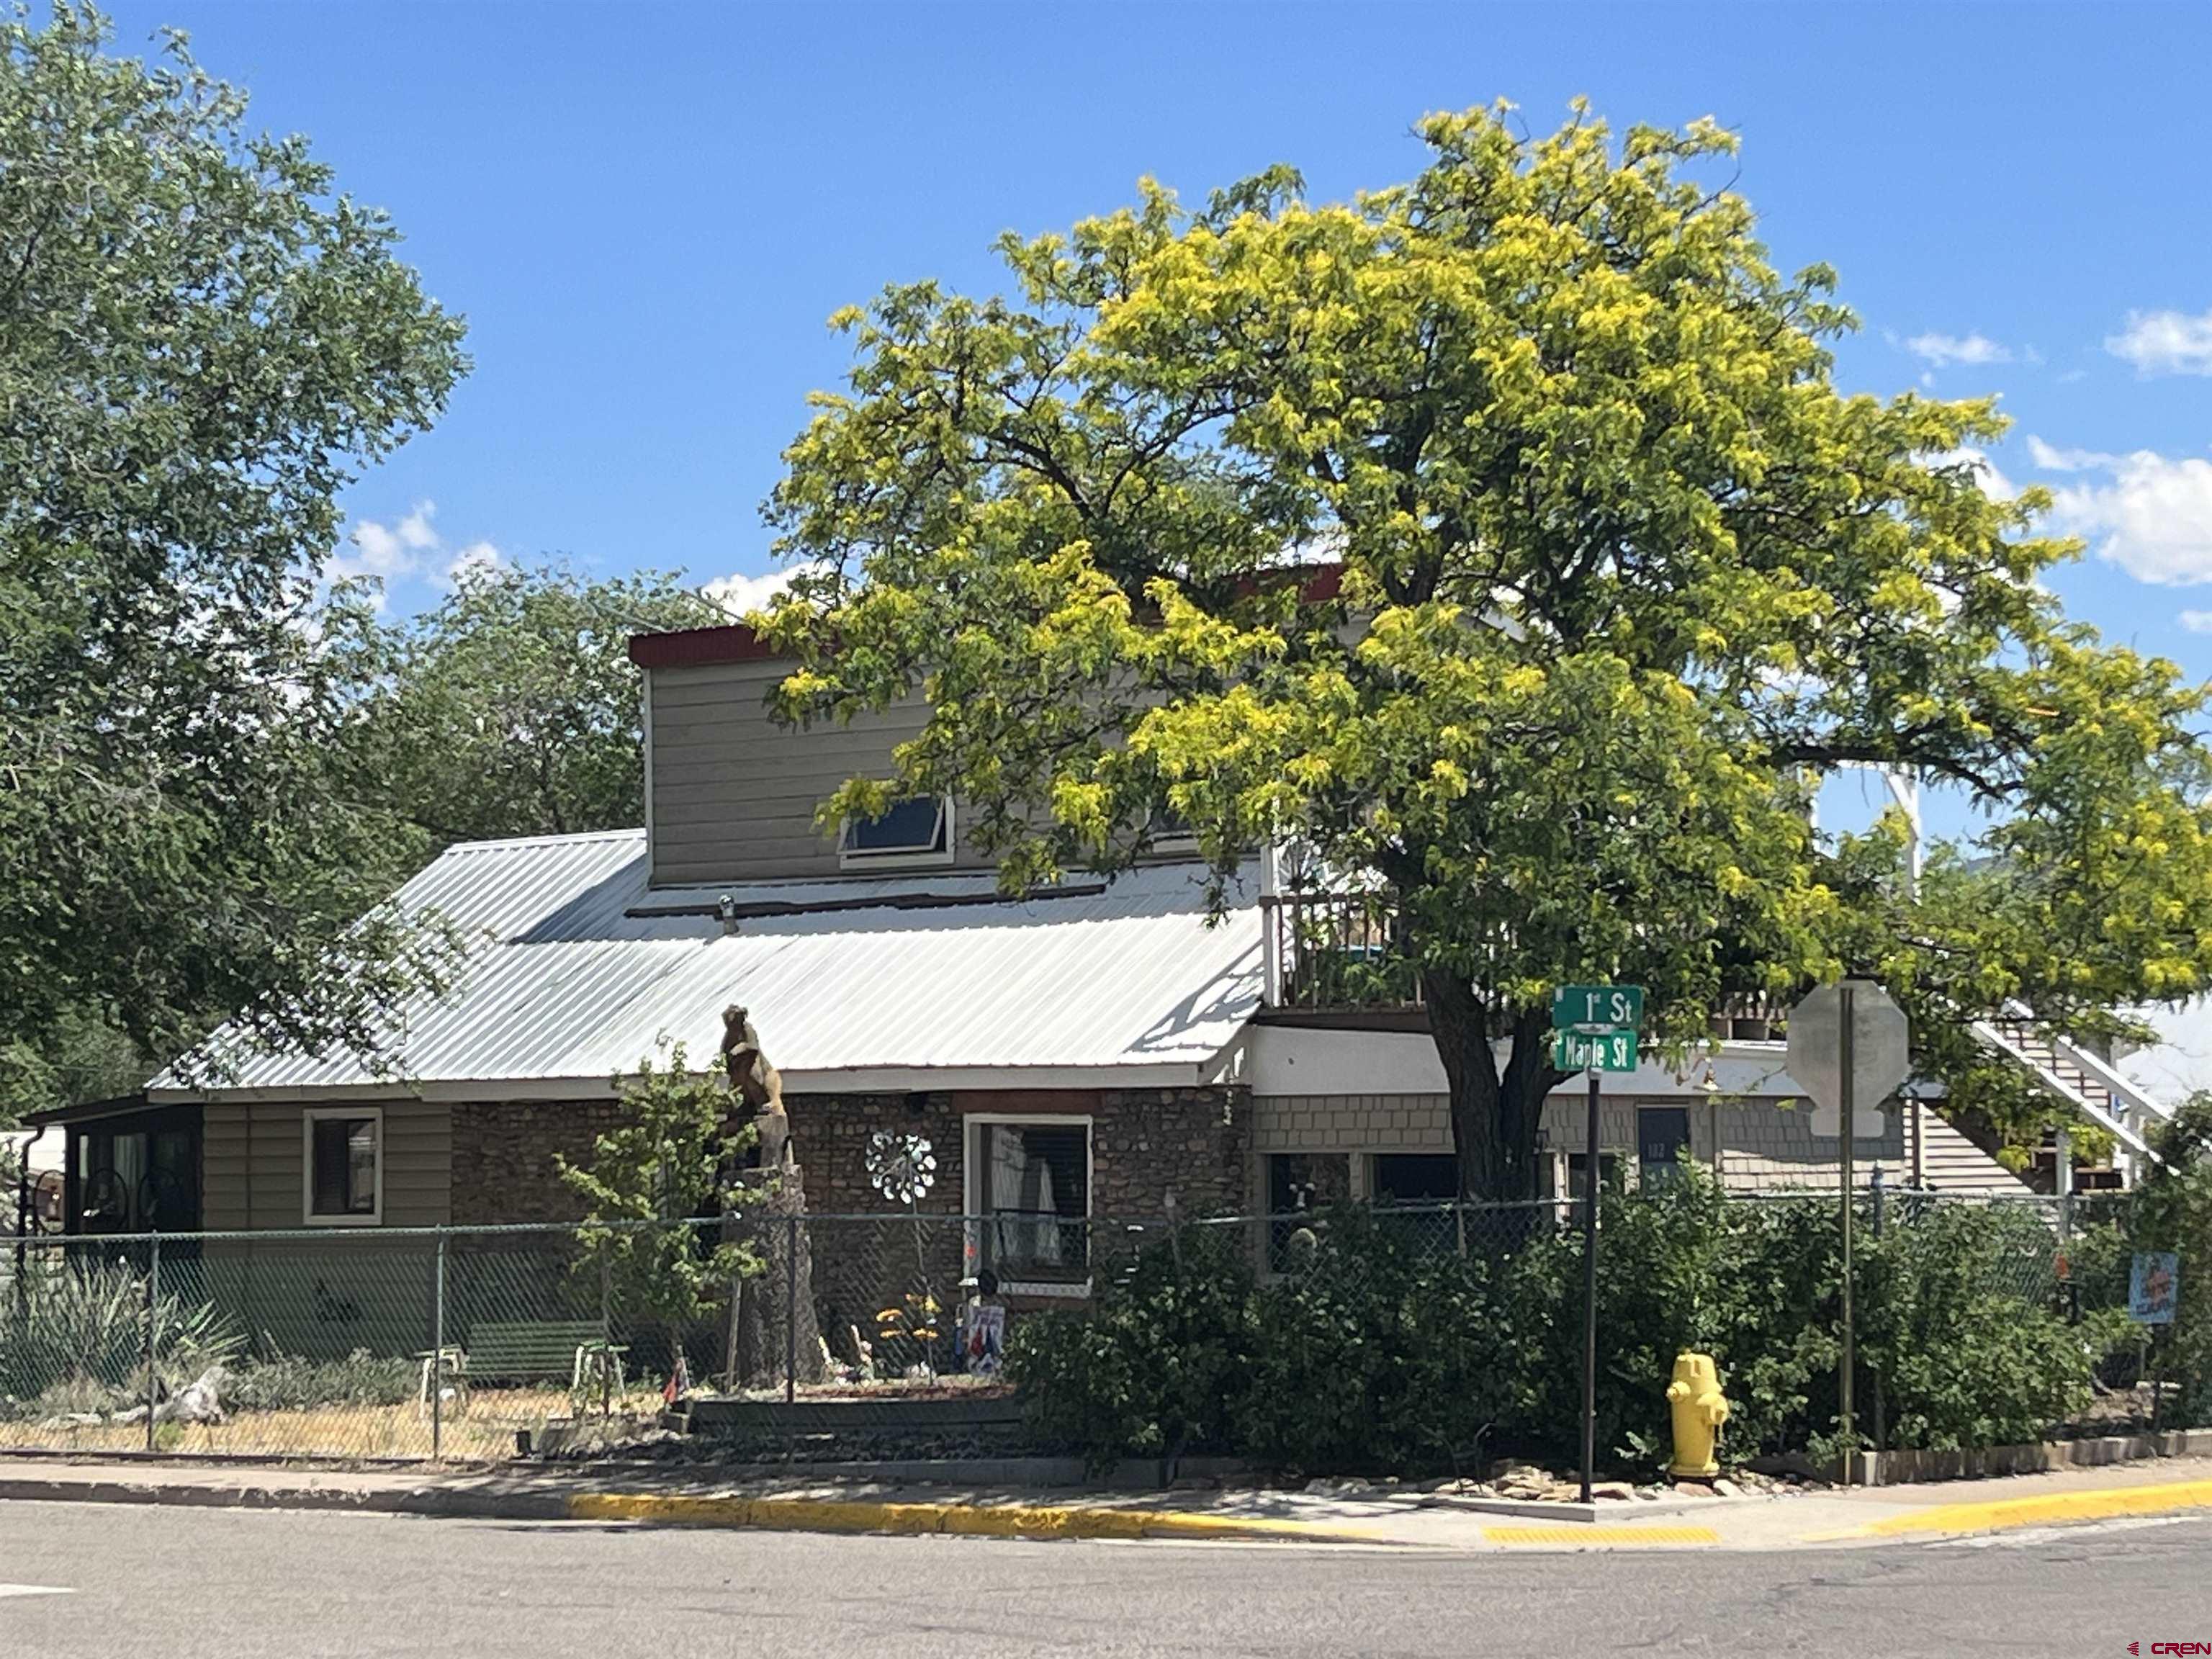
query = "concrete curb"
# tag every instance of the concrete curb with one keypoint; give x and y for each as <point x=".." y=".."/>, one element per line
<point x="686" y="1509"/>
<point x="422" y="1500"/>
<point x="963" y="1519"/>
<point x="1130" y="1474"/>
<point x="2050" y="1509"/>
<point x="1602" y="1536"/>
<point x="1597" y="1512"/>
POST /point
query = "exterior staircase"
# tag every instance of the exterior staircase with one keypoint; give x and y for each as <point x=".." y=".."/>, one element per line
<point x="2085" y="1081"/>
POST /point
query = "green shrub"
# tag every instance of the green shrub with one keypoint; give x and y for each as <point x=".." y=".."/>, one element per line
<point x="2172" y="1211"/>
<point x="1950" y="1314"/>
<point x="1377" y="1349"/>
<point x="1385" y="1347"/>
<point x="1151" y="1369"/>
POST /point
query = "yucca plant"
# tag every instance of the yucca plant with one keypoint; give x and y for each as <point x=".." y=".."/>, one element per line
<point x="88" y="1325"/>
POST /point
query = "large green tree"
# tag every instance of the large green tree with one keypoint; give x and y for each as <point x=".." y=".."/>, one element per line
<point x="201" y="342"/>
<point x="1623" y="576"/>
<point x="512" y="707"/>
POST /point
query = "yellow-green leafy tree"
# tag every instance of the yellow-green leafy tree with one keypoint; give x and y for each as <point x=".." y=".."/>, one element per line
<point x="1623" y="574"/>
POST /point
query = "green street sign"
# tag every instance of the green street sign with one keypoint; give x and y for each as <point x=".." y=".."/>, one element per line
<point x="1594" y="1051"/>
<point x="1597" y="1007"/>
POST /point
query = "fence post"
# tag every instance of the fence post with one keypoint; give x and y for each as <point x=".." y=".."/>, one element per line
<point x="791" y="1308"/>
<point x="438" y="1348"/>
<point x="1847" y="1107"/>
<point x="606" y="1325"/>
<point x="1881" y="1398"/>
<point x="732" y="1323"/>
<point x="153" y="1321"/>
<point x="1590" y="1184"/>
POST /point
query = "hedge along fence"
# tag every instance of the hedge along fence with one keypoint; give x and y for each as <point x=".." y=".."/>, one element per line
<point x="1384" y="1347"/>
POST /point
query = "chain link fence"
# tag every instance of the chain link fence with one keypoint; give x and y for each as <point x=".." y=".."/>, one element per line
<point x="843" y="1333"/>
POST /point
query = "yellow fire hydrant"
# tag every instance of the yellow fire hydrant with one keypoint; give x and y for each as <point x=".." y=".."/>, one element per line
<point x="1699" y="1410"/>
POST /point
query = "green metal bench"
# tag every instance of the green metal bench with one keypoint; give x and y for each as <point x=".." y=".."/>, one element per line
<point x="532" y="1349"/>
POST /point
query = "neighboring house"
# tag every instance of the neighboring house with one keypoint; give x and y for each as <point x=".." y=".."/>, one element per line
<point x="31" y="1202"/>
<point x="1110" y="1049"/>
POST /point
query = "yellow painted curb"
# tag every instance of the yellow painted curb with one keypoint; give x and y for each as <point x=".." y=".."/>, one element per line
<point x="967" y="1519"/>
<point x="1548" y="1537"/>
<point x="2052" y="1509"/>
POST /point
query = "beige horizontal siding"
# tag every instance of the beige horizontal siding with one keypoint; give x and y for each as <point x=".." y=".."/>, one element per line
<point x="253" y="1165"/>
<point x="734" y="794"/>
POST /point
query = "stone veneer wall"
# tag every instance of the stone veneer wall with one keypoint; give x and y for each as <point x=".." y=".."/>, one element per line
<point x="1146" y="1143"/>
<point x="503" y="1152"/>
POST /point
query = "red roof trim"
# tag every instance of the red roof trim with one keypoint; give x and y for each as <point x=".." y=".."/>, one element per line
<point x="685" y="646"/>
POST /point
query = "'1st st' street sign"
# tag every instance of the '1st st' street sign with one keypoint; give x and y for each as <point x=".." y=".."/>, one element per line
<point x="1597" y="1007"/>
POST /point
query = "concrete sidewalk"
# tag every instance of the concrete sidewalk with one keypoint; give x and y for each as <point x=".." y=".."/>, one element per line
<point x="618" y="1493"/>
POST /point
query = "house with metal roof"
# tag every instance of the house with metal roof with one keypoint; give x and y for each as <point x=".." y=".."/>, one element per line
<point x="1112" y="1047"/>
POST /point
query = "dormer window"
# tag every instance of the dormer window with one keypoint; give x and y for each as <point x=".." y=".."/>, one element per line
<point x="917" y="831"/>
<point x="1167" y="831"/>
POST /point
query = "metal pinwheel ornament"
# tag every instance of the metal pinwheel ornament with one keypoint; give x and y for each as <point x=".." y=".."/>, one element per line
<point x="902" y="1168"/>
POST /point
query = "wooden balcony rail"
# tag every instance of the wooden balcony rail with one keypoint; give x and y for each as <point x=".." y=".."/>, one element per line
<point x="1343" y="951"/>
<point x="1337" y="951"/>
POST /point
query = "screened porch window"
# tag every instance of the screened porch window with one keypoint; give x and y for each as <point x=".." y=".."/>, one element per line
<point x="1033" y="1199"/>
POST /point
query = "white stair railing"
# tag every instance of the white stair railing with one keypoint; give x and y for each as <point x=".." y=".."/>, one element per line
<point x="2086" y="1090"/>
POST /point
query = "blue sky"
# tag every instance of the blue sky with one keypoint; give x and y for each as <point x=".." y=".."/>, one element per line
<point x="647" y="212"/>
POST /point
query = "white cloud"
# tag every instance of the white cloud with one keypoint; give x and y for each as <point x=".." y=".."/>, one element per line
<point x="2049" y="457"/>
<point x="2164" y="342"/>
<point x="740" y="593"/>
<point x="477" y="556"/>
<point x="2197" y="621"/>
<point x="2072" y="375"/>
<point x="411" y="547"/>
<point x="1945" y="349"/>
<point x="1994" y="484"/>
<point x="386" y="551"/>
<point x="2151" y="515"/>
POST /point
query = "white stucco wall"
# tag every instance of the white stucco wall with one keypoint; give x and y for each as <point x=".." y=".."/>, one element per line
<point x="1295" y="1060"/>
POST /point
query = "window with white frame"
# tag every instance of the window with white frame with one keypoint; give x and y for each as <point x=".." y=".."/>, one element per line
<point x="1029" y="1186"/>
<point x="917" y="830"/>
<point x="342" y="1153"/>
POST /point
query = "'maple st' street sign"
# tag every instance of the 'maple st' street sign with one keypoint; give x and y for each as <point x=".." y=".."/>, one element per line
<point x="1594" y="1008"/>
<point x="1593" y="1051"/>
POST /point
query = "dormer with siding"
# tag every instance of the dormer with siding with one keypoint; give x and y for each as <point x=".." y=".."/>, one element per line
<point x="731" y="794"/>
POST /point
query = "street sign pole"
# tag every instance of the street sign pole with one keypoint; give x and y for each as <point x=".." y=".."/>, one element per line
<point x="1594" y="1030"/>
<point x="1846" y="1059"/>
<point x="1847" y="1042"/>
<point x="1590" y="1292"/>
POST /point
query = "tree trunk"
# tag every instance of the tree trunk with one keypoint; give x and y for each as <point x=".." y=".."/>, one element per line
<point x="1495" y="1112"/>
<point x="759" y="1350"/>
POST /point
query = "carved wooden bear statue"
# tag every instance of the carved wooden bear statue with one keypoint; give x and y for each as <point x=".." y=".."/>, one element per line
<point x="759" y="1084"/>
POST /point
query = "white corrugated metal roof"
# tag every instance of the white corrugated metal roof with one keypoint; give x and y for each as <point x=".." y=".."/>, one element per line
<point x="576" y="977"/>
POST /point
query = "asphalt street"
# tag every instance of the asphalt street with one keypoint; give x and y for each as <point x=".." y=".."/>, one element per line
<point x="181" y="1583"/>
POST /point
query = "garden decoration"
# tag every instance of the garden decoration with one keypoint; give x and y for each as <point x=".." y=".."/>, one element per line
<point x="904" y="1168"/>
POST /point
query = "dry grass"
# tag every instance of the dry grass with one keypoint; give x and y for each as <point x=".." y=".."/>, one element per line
<point x="481" y="1429"/>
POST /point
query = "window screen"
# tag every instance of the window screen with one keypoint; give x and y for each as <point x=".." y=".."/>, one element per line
<point x="345" y="1166"/>
<point x="1035" y="1190"/>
